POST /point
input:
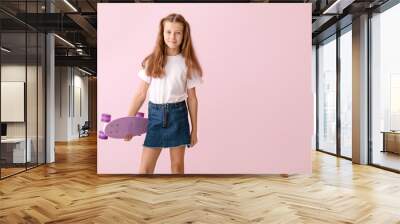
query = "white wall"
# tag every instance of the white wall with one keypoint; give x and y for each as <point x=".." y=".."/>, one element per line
<point x="80" y="102"/>
<point x="61" y="103"/>
<point x="82" y="82"/>
<point x="71" y="93"/>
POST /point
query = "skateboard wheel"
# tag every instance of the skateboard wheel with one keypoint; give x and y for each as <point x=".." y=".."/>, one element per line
<point x="105" y="117"/>
<point x="102" y="135"/>
<point x="139" y="114"/>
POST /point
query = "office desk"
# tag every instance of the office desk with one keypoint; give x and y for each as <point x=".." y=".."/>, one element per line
<point x="391" y="141"/>
<point x="13" y="150"/>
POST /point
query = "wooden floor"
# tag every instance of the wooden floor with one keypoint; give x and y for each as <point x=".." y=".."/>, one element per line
<point x="70" y="191"/>
<point x="387" y="159"/>
<point x="5" y="172"/>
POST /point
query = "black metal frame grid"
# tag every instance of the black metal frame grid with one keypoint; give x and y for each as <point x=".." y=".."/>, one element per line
<point x="36" y="164"/>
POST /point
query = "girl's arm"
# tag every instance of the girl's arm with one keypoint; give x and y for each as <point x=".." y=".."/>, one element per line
<point x="192" y="104"/>
<point x="138" y="98"/>
<point x="137" y="101"/>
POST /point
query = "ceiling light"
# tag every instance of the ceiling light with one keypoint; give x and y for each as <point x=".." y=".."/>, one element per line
<point x="338" y="6"/>
<point x="70" y="5"/>
<point x="64" y="40"/>
<point x="5" y="49"/>
<point x="86" y="72"/>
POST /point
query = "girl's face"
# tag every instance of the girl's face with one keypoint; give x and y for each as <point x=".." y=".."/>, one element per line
<point x="173" y="34"/>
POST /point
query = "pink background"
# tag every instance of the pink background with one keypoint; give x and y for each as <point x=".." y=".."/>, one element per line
<point x="255" y="105"/>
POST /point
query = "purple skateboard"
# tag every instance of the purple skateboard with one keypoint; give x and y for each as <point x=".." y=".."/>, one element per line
<point x="122" y="127"/>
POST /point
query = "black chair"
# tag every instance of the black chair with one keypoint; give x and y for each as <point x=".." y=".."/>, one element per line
<point x="84" y="130"/>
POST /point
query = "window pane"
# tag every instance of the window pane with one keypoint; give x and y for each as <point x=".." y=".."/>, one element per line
<point x="327" y="96"/>
<point x="386" y="89"/>
<point x="346" y="93"/>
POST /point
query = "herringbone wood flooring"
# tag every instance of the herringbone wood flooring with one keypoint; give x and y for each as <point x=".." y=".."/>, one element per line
<point x="70" y="191"/>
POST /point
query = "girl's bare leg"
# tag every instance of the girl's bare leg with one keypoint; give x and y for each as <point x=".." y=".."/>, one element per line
<point x="149" y="160"/>
<point x="177" y="155"/>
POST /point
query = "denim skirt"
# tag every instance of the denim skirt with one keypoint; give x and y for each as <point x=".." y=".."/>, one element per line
<point x="168" y="125"/>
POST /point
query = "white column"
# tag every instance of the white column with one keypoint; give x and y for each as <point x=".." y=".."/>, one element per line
<point x="50" y="93"/>
<point x="360" y="90"/>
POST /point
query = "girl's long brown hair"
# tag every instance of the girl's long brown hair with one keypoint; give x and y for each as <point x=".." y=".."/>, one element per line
<point x="156" y="61"/>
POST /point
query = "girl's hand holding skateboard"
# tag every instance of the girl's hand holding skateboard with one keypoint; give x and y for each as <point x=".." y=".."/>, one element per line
<point x="128" y="137"/>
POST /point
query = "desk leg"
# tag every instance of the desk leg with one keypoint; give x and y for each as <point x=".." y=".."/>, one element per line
<point x="384" y="142"/>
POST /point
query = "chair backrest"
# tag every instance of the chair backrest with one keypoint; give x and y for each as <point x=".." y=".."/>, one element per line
<point x="86" y="125"/>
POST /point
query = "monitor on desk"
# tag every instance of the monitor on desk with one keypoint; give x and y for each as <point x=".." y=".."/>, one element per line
<point x="3" y="130"/>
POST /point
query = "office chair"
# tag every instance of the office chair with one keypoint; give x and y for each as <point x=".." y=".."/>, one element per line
<point x="84" y="130"/>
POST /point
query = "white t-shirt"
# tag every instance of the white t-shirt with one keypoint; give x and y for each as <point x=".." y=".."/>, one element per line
<point x="172" y="87"/>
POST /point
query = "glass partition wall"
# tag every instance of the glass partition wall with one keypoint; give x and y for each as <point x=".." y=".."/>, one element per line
<point x="22" y="77"/>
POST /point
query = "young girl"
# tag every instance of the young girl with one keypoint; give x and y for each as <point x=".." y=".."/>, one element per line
<point x="170" y="74"/>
